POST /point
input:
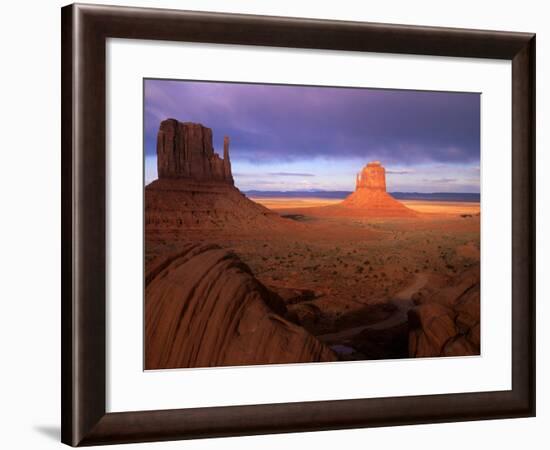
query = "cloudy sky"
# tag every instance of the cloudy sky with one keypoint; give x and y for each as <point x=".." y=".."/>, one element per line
<point x="307" y="138"/>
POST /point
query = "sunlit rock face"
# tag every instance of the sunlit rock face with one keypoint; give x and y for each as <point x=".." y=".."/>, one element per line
<point x="370" y="196"/>
<point x="372" y="177"/>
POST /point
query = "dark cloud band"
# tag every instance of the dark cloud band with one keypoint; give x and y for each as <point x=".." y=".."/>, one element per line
<point x="274" y="123"/>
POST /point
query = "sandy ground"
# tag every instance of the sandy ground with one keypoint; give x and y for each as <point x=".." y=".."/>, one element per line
<point x="443" y="207"/>
<point x="289" y="202"/>
<point x="423" y="206"/>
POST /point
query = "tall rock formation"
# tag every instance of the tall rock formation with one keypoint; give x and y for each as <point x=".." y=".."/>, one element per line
<point x="370" y="197"/>
<point x="372" y="177"/>
<point x="184" y="150"/>
<point x="226" y="161"/>
<point x="195" y="188"/>
<point x="203" y="307"/>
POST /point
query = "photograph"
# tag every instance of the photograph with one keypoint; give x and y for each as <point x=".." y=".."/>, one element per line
<point x="301" y="224"/>
<point x="237" y="225"/>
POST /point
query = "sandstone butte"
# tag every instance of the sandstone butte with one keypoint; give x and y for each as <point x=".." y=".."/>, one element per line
<point x="203" y="307"/>
<point x="195" y="188"/>
<point x="369" y="199"/>
<point x="370" y="196"/>
<point x="185" y="151"/>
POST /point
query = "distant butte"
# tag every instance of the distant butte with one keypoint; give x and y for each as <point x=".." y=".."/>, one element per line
<point x="372" y="177"/>
<point x="370" y="194"/>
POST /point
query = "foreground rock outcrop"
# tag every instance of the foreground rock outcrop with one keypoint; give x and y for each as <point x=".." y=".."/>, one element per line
<point x="204" y="307"/>
<point x="195" y="188"/>
<point x="446" y="322"/>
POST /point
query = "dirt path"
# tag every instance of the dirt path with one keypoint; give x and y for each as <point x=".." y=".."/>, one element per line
<point x="402" y="300"/>
<point x="418" y="283"/>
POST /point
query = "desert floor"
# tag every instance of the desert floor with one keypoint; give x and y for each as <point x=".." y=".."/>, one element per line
<point x="344" y="278"/>
<point x="283" y="204"/>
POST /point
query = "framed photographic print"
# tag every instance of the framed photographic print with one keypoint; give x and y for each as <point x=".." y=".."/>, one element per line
<point x="276" y="225"/>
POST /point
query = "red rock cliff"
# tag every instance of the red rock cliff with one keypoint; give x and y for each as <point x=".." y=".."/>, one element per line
<point x="195" y="188"/>
<point x="370" y="196"/>
<point x="372" y="177"/>
<point x="184" y="150"/>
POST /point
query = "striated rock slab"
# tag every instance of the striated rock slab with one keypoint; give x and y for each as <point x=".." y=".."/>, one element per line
<point x="204" y="308"/>
<point x="433" y="325"/>
<point x="446" y="322"/>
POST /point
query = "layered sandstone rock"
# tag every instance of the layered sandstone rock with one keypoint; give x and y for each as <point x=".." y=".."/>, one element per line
<point x="184" y="150"/>
<point x="372" y="177"/>
<point x="204" y="307"/>
<point x="370" y="199"/>
<point x="446" y="321"/>
<point x="176" y="204"/>
<point x="370" y="196"/>
<point x="195" y="186"/>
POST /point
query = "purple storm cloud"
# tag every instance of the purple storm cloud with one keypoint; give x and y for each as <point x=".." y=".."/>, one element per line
<point x="274" y="124"/>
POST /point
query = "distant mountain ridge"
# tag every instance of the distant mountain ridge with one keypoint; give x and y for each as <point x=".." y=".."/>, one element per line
<point x="433" y="196"/>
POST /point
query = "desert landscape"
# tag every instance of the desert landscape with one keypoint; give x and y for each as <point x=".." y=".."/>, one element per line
<point x="232" y="279"/>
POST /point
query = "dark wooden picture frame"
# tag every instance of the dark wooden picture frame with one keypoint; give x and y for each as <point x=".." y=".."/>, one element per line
<point x="85" y="30"/>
